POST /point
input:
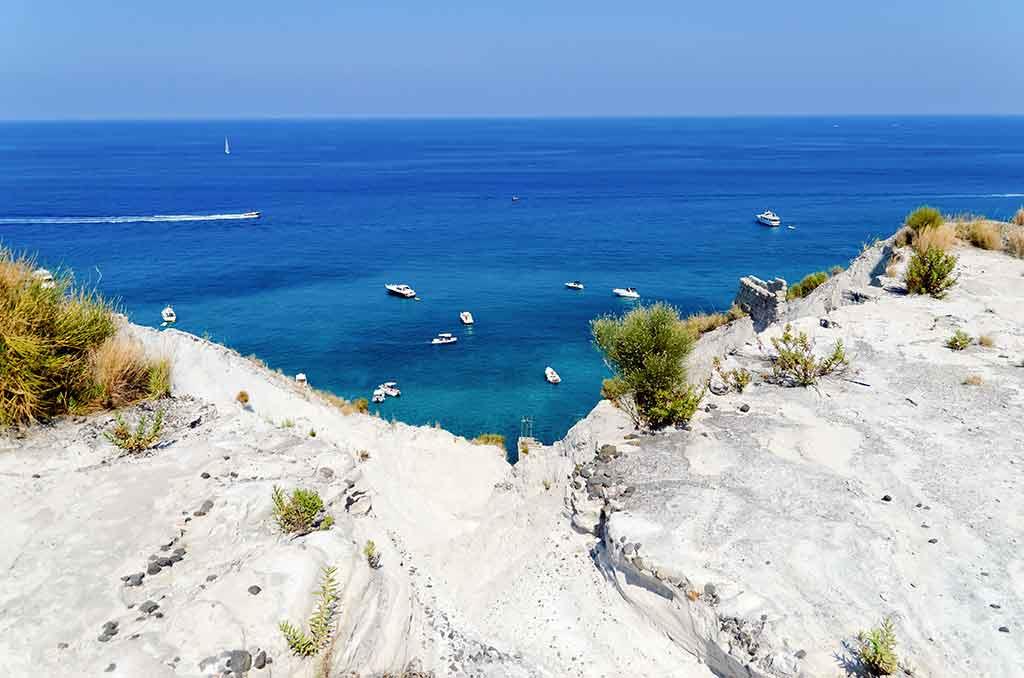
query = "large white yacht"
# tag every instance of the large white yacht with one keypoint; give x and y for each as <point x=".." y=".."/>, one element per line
<point x="400" y="290"/>
<point x="769" y="218"/>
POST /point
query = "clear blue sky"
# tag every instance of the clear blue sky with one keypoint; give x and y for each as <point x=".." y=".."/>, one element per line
<point x="242" y="58"/>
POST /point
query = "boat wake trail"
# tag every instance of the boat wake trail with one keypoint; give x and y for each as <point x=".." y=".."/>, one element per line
<point x="130" y="220"/>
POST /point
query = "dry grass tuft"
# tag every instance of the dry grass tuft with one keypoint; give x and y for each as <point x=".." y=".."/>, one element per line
<point x="359" y="405"/>
<point x="123" y="374"/>
<point x="243" y="398"/>
<point x="973" y="380"/>
<point x="986" y="340"/>
<point x="701" y="323"/>
<point x="490" y="439"/>
<point x="941" y="237"/>
<point x="1015" y="243"/>
<point x="1018" y="218"/>
<point x="982" y="234"/>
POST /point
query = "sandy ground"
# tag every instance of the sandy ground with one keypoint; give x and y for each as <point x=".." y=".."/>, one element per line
<point x="754" y="544"/>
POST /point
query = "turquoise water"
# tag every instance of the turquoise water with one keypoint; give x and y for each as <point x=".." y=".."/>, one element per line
<point x="663" y="205"/>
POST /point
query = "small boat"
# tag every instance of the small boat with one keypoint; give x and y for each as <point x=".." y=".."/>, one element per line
<point x="300" y="379"/>
<point x="400" y="290"/>
<point x="227" y="149"/>
<point x="45" y="278"/>
<point x="466" y="317"/>
<point x="626" y="292"/>
<point x="792" y="228"/>
<point x="378" y="396"/>
<point x="574" y="285"/>
<point x="551" y="375"/>
<point x="169" y="315"/>
<point x="444" y="338"/>
<point x="390" y="388"/>
<point x="769" y="218"/>
<point x="515" y="198"/>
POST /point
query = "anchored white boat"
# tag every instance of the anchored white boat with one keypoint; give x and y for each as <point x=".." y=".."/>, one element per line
<point x="45" y="278"/>
<point x="466" y="317"/>
<point x="227" y="149"/>
<point x="769" y="218"/>
<point x="574" y="285"/>
<point x="400" y="290"/>
<point x="551" y="375"/>
<point x="626" y="292"/>
<point x="378" y="395"/>
<point x="169" y="315"/>
<point x="444" y="338"/>
<point x="390" y="388"/>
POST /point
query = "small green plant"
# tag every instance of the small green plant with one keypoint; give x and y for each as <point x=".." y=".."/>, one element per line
<point x="159" y="379"/>
<point x="923" y="218"/>
<point x="931" y="272"/>
<point x="524" y="448"/>
<point x="372" y="554"/>
<point x="807" y="285"/>
<point x="288" y="423"/>
<point x="301" y="513"/>
<point x="547" y="485"/>
<point x="877" y="649"/>
<point x="145" y="435"/>
<point x="795" y="364"/>
<point x="312" y="433"/>
<point x="490" y="439"/>
<point x="243" y="398"/>
<point x="736" y="379"/>
<point x="321" y="622"/>
<point x="959" y="341"/>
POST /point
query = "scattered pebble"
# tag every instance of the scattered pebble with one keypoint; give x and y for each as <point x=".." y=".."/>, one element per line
<point x="255" y="590"/>
<point x="204" y="475"/>
<point x="110" y="667"/>
<point x="148" y="607"/>
<point x="205" y="508"/>
<point x="995" y="606"/>
<point x="153" y="568"/>
<point x="933" y="540"/>
<point x="211" y="577"/>
<point x="134" y="579"/>
<point x="1004" y="629"/>
<point x="887" y="498"/>
<point x="744" y="407"/>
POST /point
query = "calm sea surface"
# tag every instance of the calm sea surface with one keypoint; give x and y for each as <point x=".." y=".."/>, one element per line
<point x="664" y="205"/>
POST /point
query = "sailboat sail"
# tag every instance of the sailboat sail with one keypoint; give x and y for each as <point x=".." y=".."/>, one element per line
<point x="227" y="149"/>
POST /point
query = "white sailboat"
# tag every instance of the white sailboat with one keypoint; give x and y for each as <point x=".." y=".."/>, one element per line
<point x="227" y="149"/>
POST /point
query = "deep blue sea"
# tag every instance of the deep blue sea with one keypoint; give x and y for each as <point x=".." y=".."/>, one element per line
<point x="664" y="205"/>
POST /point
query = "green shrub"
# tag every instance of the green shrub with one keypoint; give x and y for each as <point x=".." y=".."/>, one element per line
<point x="959" y="341"/>
<point x="490" y="439"/>
<point x="877" y="649"/>
<point x="372" y="554"/>
<point x="737" y="379"/>
<point x="923" y="218"/>
<point x="795" y="364"/>
<point x="300" y="514"/>
<point x="807" y="285"/>
<point x="931" y="272"/>
<point x="647" y="349"/>
<point x="321" y="622"/>
<point x="145" y="435"/>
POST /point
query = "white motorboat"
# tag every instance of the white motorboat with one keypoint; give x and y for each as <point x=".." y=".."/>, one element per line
<point x="300" y="379"/>
<point x="466" y="317"/>
<point x="574" y="285"/>
<point x="45" y="278"/>
<point x="400" y="290"/>
<point x="551" y="375"/>
<point x="626" y="292"/>
<point x="378" y="395"/>
<point x="390" y="388"/>
<point x="769" y="218"/>
<point x="168" y="315"/>
<point x="227" y="149"/>
<point x="444" y="338"/>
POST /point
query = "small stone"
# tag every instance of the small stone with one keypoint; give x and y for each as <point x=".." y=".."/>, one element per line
<point x="205" y="508"/>
<point x="240" y="661"/>
<point x="712" y="406"/>
<point x="110" y="667"/>
<point x="260" y="660"/>
<point x="195" y="422"/>
<point x="62" y="646"/>
<point x="1004" y="629"/>
<point x="110" y="628"/>
<point x="153" y="568"/>
<point x="103" y="638"/>
<point x="639" y="563"/>
<point x="933" y="540"/>
<point x="744" y="407"/>
<point x="800" y="654"/>
<point x="710" y="590"/>
<point x="36" y="475"/>
<point x="211" y="577"/>
<point x="149" y="607"/>
<point x="255" y="590"/>
<point x="995" y="606"/>
<point x="887" y="498"/>
<point x="226" y="457"/>
<point x="159" y="615"/>
<point x="134" y="579"/>
<point x="327" y="472"/>
<point x="204" y="475"/>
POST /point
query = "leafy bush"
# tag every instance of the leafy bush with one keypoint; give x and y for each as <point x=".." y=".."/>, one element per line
<point x="877" y="649"/>
<point x="54" y="355"/>
<point x="931" y="272"/>
<point x="807" y="285"/>
<point x="321" y="622"/>
<point x="795" y="364"/>
<point x="923" y="218"/>
<point x="300" y="514"/>
<point x="372" y="554"/>
<point x="646" y="348"/>
<point x="145" y="435"/>
<point x="1018" y="218"/>
<point x="959" y="341"/>
<point x="736" y="379"/>
<point x="490" y="439"/>
<point x="1015" y="243"/>
<point x="983" y="234"/>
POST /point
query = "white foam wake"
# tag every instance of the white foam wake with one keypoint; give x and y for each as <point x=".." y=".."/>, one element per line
<point x="129" y="220"/>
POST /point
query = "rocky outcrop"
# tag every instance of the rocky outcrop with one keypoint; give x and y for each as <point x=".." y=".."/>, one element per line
<point x="764" y="301"/>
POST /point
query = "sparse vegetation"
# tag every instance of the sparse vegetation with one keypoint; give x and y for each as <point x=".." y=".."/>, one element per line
<point x="931" y="272"/>
<point x="958" y="341"/>
<point x="243" y="398"/>
<point x="490" y="439"/>
<point x="372" y="554"/>
<point x="973" y="380"/>
<point x="942" y="237"/>
<point x="1018" y="217"/>
<point x="877" y="649"/>
<point x="60" y="351"/>
<point x="809" y="283"/>
<point x="700" y="323"/>
<point x="923" y="218"/>
<point x="547" y="485"/>
<point x="145" y="435"/>
<point x="835" y="270"/>
<point x="359" y="405"/>
<point x="312" y="433"/>
<point x="1015" y="243"/>
<point x="796" y="365"/>
<point x="288" y="423"/>
<point x="321" y="622"/>
<point x="736" y="379"/>
<point x="524" y="448"/>
<point x="301" y="513"/>
<point x="986" y="340"/>
<point x="363" y="455"/>
<point x="646" y="348"/>
<point x="983" y="234"/>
